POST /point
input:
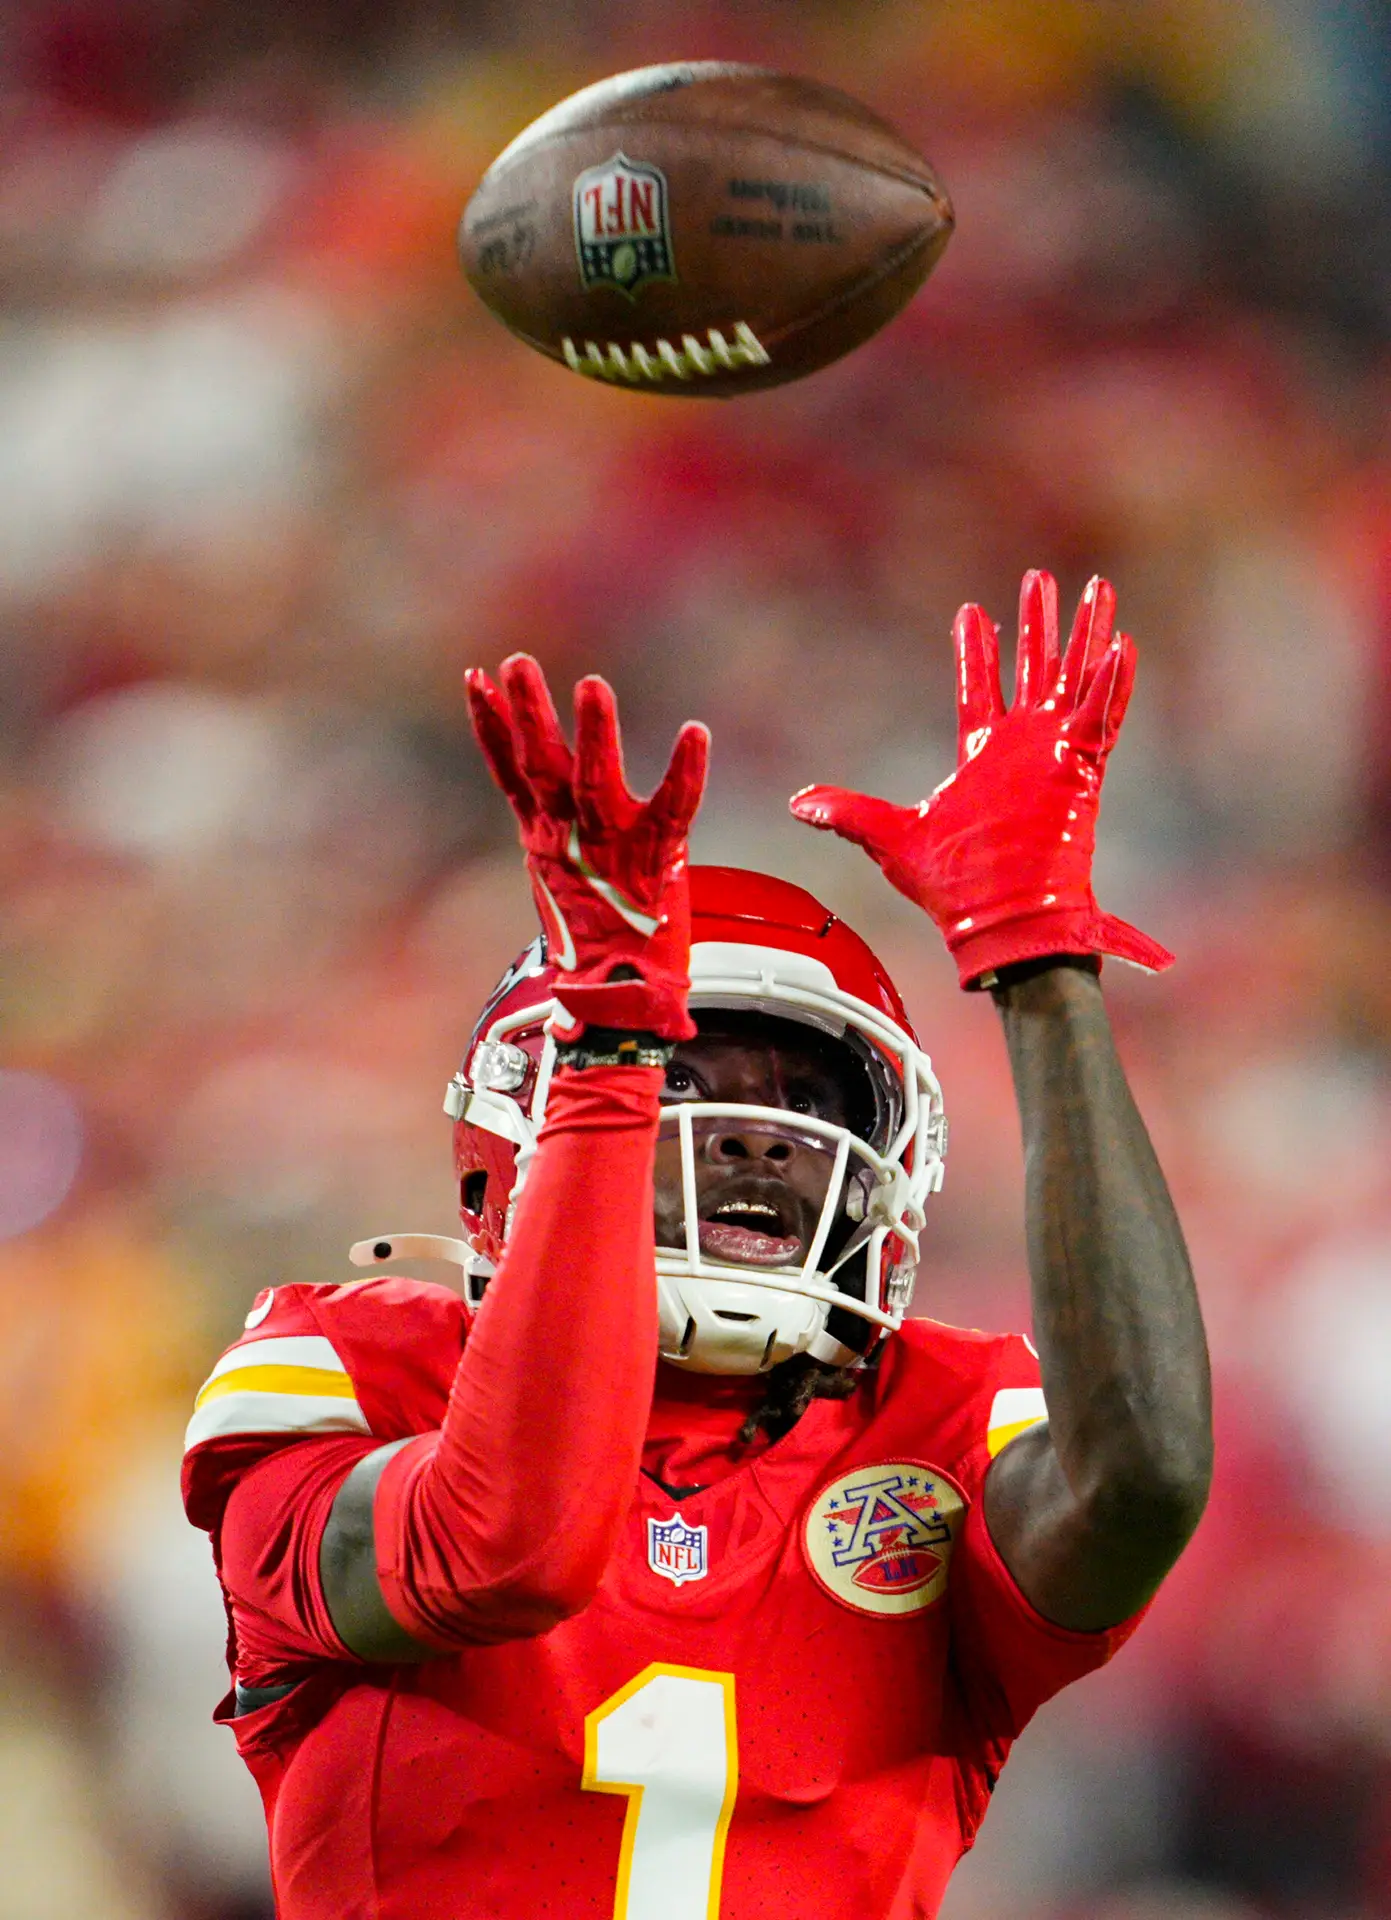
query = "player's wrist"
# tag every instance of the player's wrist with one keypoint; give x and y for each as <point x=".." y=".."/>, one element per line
<point x="1000" y="983"/>
<point x="1021" y="940"/>
<point x="615" y="1047"/>
<point x="1079" y="931"/>
<point x="651" y="1002"/>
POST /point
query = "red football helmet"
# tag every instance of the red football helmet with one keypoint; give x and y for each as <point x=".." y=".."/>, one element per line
<point x="758" y="945"/>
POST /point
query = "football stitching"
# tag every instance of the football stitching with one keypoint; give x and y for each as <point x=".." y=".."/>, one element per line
<point x="883" y="270"/>
<point x="634" y="364"/>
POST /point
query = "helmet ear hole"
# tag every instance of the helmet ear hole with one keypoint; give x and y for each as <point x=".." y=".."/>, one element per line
<point x="472" y="1189"/>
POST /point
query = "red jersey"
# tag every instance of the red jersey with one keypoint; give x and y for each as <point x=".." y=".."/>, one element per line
<point x="792" y="1693"/>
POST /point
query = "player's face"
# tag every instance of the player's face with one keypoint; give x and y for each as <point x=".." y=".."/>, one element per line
<point x="759" y="1193"/>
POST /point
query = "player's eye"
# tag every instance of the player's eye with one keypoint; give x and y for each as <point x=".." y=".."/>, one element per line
<point x="681" y="1083"/>
<point x="813" y="1099"/>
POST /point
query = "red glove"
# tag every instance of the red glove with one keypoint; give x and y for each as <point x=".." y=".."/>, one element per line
<point x="608" y="871"/>
<point x="1001" y="854"/>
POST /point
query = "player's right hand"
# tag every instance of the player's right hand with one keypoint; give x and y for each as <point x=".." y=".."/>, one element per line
<point x="608" y="871"/>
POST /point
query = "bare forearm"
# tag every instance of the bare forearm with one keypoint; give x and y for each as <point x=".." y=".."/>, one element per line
<point x="1116" y="1316"/>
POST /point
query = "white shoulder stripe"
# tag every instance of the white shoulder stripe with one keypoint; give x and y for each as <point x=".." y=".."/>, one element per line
<point x="252" y="1412"/>
<point x="294" y="1350"/>
<point x="1013" y="1404"/>
<point x="1012" y="1412"/>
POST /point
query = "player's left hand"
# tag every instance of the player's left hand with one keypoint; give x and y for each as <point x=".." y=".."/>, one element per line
<point x="1000" y="854"/>
<point x="608" y="871"/>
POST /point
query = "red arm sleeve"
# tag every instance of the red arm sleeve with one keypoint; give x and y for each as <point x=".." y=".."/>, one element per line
<point x="501" y="1524"/>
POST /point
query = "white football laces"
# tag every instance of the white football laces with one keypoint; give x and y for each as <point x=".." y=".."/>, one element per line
<point x="634" y="364"/>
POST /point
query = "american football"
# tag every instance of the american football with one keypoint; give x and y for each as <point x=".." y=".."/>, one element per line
<point x="703" y="229"/>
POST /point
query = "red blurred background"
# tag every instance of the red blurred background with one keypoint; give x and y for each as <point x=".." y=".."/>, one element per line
<point x="269" y="478"/>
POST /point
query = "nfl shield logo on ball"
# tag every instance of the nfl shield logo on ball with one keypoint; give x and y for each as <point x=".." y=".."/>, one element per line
<point x="622" y="237"/>
<point x="675" y="1550"/>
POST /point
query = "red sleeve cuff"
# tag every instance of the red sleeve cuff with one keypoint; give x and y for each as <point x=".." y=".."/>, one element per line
<point x="1012" y="1657"/>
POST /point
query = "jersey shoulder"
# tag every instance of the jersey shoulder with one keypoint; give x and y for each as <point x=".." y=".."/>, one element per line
<point x="375" y="1358"/>
<point x="963" y="1394"/>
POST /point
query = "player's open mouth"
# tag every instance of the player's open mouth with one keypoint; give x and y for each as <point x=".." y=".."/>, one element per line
<point x="752" y="1232"/>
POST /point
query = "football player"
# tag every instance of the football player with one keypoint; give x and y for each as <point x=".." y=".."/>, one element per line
<point x="580" y="1595"/>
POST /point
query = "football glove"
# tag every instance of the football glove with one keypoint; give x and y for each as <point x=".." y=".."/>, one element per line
<point x="1000" y="854"/>
<point x="608" y="871"/>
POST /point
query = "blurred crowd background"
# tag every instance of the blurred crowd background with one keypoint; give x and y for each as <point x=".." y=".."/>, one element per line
<point x="270" y="478"/>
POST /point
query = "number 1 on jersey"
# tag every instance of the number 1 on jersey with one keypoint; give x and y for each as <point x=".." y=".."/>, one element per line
<point x="668" y="1741"/>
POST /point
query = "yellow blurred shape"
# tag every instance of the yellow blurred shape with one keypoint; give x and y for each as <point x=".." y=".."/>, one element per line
<point x="96" y="1347"/>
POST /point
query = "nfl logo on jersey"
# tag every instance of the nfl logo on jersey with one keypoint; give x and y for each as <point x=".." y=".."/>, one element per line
<point x="622" y="236"/>
<point x="675" y="1550"/>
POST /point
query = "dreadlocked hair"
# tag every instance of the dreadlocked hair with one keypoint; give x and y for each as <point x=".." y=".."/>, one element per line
<point x="792" y="1386"/>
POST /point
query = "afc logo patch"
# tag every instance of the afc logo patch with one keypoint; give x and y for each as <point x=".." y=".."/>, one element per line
<point x="622" y="233"/>
<point x="879" y="1539"/>
<point x="677" y="1551"/>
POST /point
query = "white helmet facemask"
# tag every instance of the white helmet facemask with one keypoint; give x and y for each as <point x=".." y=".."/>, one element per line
<point x="722" y="1317"/>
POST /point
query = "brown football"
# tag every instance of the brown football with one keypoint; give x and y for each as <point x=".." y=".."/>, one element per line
<point x="703" y="229"/>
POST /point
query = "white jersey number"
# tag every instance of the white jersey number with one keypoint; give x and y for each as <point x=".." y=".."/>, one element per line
<point x="668" y="1741"/>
